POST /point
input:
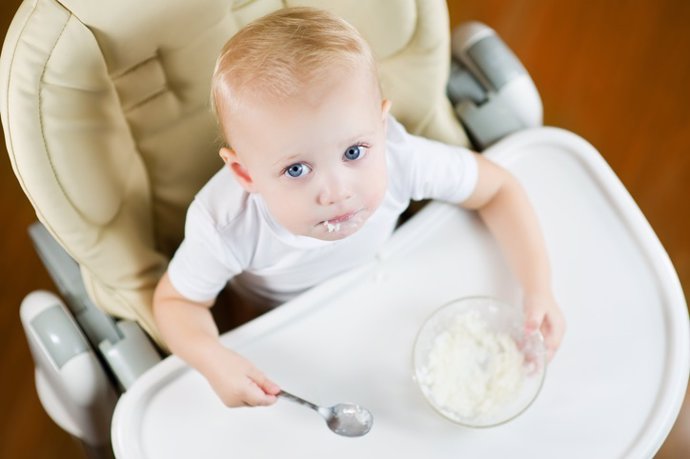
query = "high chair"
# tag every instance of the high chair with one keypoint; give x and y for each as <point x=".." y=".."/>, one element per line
<point x="106" y="119"/>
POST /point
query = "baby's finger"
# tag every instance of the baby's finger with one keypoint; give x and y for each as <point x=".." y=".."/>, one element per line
<point x="268" y="386"/>
<point x="262" y="381"/>
<point x="255" y="396"/>
<point x="553" y="330"/>
<point x="533" y="319"/>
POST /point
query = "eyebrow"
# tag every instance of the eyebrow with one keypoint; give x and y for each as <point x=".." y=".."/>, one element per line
<point x="350" y="141"/>
<point x="354" y="139"/>
<point x="286" y="160"/>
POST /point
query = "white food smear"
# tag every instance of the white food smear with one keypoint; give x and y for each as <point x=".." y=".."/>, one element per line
<point x="470" y="371"/>
<point x="331" y="227"/>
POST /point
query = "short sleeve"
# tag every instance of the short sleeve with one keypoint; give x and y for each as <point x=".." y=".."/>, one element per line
<point x="431" y="170"/>
<point x="202" y="265"/>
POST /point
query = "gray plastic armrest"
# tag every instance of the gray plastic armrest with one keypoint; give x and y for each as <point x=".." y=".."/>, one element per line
<point x="131" y="356"/>
<point x="71" y="382"/>
<point x="124" y="345"/>
<point x="64" y="271"/>
<point x="492" y="92"/>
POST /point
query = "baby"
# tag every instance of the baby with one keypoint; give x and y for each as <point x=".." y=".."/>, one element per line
<point x="317" y="174"/>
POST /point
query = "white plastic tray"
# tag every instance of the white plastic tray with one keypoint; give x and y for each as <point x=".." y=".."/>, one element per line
<point x="613" y="390"/>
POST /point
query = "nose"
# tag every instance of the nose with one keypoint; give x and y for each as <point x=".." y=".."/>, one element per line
<point x="334" y="189"/>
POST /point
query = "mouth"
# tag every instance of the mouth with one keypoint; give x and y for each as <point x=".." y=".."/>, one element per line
<point x="333" y="224"/>
<point x="341" y="218"/>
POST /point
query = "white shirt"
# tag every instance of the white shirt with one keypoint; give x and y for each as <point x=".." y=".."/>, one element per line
<point x="230" y="234"/>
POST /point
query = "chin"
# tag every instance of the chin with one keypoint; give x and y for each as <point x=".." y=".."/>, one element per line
<point x="325" y="236"/>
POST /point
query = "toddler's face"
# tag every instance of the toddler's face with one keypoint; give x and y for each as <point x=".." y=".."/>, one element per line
<point x="318" y="160"/>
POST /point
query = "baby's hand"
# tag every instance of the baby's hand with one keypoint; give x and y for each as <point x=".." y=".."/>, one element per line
<point x="542" y="313"/>
<point x="238" y="382"/>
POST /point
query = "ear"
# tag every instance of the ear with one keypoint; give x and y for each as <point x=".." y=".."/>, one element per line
<point x="385" y="108"/>
<point x="240" y="172"/>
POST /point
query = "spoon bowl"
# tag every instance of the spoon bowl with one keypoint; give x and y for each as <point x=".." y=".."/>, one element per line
<point x="346" y="419"/>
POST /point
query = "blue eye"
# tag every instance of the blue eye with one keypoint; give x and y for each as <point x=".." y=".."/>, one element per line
<point x="297" y="170"/>
<point x="355" y="152"/>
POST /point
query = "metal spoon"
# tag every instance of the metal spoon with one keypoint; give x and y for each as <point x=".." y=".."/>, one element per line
<point x="346" y="419"/>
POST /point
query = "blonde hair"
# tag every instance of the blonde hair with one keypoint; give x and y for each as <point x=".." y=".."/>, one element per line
<point x="280" y="54"/>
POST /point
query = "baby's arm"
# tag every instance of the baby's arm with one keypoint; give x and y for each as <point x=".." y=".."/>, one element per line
<point x="190" y="332"/>
<point x="503" y="205"/>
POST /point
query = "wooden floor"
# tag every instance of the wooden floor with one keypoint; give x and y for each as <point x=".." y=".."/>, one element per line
<point x="614" y="71"/>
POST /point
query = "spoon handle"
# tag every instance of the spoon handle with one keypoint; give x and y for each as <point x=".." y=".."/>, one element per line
<point x="297" y="399"/>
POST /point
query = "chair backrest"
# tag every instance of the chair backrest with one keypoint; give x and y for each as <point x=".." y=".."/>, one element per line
<point x="107" y="122"/>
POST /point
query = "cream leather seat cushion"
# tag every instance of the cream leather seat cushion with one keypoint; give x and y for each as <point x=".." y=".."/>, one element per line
<point x="107" y="121"/>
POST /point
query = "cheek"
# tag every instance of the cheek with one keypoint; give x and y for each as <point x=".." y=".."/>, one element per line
<point x="377" y="180"/>
<point x="287" y="206"/>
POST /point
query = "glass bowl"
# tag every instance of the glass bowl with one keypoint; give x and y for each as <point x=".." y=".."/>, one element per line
<point x="474" y="363"/>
